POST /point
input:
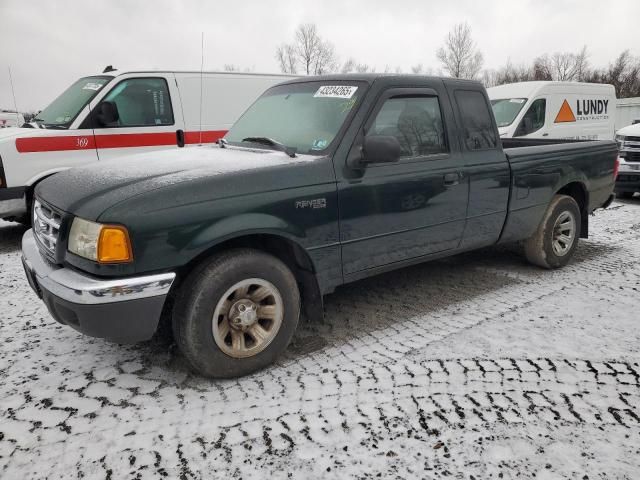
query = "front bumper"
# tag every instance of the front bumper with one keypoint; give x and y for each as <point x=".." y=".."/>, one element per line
<point x="124" y="310"/>
<point x="628" y="181"/>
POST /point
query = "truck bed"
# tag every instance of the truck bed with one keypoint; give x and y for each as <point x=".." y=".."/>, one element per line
<point x="542" y="167"/>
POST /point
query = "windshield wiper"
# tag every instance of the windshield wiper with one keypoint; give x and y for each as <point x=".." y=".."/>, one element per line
<point x="41" y="124"/>
<point x="272" y="143"/>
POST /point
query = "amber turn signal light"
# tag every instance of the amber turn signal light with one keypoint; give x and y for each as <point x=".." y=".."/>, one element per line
<point x="114" y="245"/>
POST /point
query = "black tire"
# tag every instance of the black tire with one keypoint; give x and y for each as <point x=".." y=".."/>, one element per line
<point x="625" y="194"/>
<point x="199" y="296"/>
<point x="539" y="249"/>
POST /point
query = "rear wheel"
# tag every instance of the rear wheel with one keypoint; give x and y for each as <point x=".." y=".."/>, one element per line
<point x="236" y="314"/>
<point x="555" y="240"/>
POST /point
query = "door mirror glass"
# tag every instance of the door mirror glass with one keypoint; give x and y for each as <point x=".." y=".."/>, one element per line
<point x="107" y="114"/>
<point x="381" y="149"/>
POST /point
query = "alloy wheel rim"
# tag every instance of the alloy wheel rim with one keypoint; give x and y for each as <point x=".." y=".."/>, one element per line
<point x="247" y="318"/>
<point x="564" y="232"/>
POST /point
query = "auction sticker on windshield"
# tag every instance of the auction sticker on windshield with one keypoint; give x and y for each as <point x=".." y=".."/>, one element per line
<point x="335" y="91"/>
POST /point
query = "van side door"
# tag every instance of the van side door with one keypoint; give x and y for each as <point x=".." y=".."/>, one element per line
<point x="392" y="213"/>
<point x="140" y="113"/>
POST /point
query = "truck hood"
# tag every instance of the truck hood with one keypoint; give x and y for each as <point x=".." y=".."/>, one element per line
<point x="212" y="171"/>
<point x="630" y="131"/>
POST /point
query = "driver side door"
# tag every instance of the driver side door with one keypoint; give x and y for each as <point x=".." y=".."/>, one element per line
<point x="148" y="115"/>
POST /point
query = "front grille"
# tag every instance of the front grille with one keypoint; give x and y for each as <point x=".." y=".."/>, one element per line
<point x="630" y="156"/>
<point x="46" y="227"/>
<point x="628" y="178"/>
<point x="632" y="139"/>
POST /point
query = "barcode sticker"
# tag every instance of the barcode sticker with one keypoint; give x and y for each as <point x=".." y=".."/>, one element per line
<point x="335" y="91"/>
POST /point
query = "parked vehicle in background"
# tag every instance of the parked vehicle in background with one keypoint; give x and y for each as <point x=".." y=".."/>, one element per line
<point x="322" y="181"/>
<point x="566" y="110"/>
<point x="11" y="119"/>
<point x="627" y="112"/>
<point x="628" y="181"/>
<point x="115" y="114"/>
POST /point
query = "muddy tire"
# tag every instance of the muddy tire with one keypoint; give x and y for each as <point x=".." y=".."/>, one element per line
<point x="555" y="240"/>
<point x="236" y="313"/>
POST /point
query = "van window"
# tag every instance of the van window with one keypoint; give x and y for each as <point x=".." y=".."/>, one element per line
<point x="415" y="121"/>
<point x="507" y="109"/>
<point x="142" y="102"/>
<point x="533" y="120"/>
<point x="478" y="129"/>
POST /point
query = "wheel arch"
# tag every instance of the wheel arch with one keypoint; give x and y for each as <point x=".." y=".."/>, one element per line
<point x="281" y="246"/>
<point x="578" y="191"/>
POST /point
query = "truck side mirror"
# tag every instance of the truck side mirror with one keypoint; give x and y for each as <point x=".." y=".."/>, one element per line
<point x="107" y="114"/>
<point x="380" y="149"/>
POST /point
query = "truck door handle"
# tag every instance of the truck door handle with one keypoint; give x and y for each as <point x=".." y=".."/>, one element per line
<point x="180" y="137"/>
<point x="545" y="134"/>
<point x="451" y="178"/>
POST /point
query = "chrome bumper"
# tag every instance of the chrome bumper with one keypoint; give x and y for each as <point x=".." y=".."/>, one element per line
<point x="77" y="288"/>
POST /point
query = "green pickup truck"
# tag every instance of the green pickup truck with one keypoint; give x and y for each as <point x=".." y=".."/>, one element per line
<point x="323" y="181"/>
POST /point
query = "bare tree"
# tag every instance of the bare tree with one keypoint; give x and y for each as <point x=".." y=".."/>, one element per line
<point x="417" y="68"/>
<point x="623" y="74"/>
<point x="562" y="66"/>
<point x="286" y="56"/>
<point x="308" y="51"/>
<point x="460" y="56"/>
<point x="348" y="66"/>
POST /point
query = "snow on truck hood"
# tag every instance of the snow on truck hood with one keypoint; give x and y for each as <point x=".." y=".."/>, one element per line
<point x="106" y="183"/>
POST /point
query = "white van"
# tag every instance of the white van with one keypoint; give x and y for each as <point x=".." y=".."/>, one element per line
<point x="115" y="114"/>
<point x="10" y="119"/>
<point x="568" y="110"/>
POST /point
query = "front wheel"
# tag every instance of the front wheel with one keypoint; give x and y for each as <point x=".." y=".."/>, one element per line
<point x="555" y="240"/>
<point x="236" y="314"/>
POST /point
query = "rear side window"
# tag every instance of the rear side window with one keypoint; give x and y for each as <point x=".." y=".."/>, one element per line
<point x="415" y="121"/>
<point x="479" y="133"/>
<point x="142" y="102"/>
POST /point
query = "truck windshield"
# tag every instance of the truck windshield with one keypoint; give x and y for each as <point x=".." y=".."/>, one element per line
<point x="506" y="110"/>
<point x="64" y="109"/>
<point x="301" y="116"/>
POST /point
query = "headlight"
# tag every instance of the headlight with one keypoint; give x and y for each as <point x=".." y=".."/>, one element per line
<point x="100" y="243"/>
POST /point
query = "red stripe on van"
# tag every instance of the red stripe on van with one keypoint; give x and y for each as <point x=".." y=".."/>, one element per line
<point x="54" y="144"/>
<point x="118" y="140"/>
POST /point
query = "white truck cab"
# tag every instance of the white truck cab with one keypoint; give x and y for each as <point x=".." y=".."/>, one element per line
<point x="570" y="110"/>
<point x="114" y="114"/>
<point x="628" y="180"/>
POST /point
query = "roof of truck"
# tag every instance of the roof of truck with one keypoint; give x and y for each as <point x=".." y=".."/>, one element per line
<point x="372" y="77"/>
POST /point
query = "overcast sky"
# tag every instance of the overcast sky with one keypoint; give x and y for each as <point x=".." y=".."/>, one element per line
<point x="50" y="44"/>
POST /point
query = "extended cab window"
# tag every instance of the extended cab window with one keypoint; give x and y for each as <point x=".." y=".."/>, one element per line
<point x="141" y="102"/>
<point x="415" y="121"/>
<point x="479" y="133"/>
<point x="534" y="118"/>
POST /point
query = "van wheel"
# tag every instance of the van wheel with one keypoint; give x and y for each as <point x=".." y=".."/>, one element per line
<point x="236" y="314"/>
<point x="555" y="240"/>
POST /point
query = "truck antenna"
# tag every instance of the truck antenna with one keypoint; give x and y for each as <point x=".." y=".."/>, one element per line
<point x="201" y="75"/>
<point x="15" y="104"/>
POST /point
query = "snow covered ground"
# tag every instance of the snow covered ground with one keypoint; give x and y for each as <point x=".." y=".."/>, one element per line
<point x="478" y="366"/>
